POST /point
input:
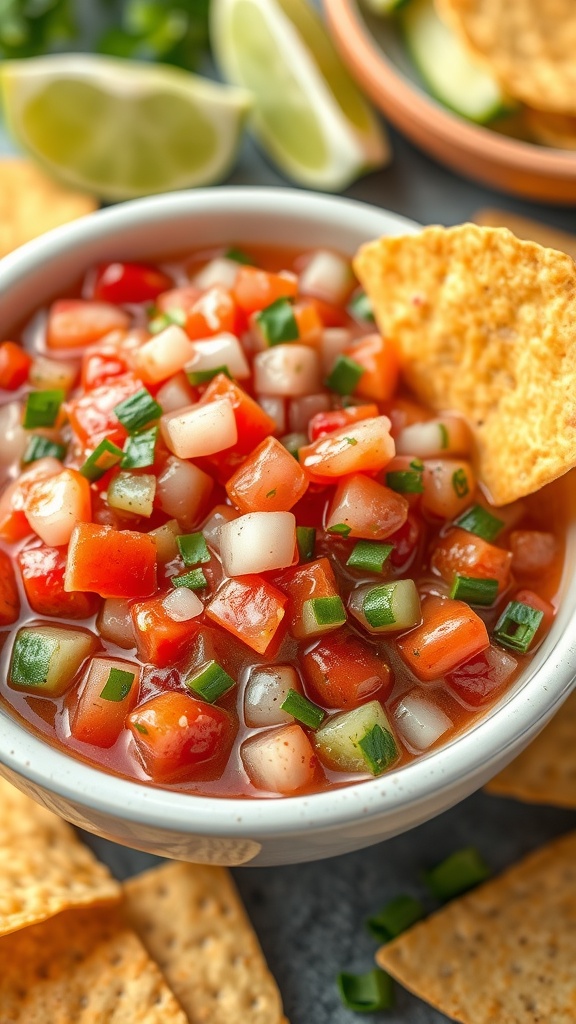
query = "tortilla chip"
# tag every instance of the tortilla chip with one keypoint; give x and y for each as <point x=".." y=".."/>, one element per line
<point x="82" y="967"/>
<point x="44" y="868"/>
<point x="557" y="130"/>
<point x="504" y="953"/>
<point x="32" y="203"/>
<point x="486" y="326"/>
<point x="192" y="922"/>
<point x="544" y="773"/>
<point x="528" y="45"/>
<point x="528" y="229"/>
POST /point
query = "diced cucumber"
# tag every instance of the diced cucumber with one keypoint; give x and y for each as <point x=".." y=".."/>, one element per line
<point x="45" y="659"/>
<point x="134" y="493"/>
<point x="447" y="69"/>
<point x="338" y="740"/>
<point x="322" y="615"/>
<point x="386" y="607"/>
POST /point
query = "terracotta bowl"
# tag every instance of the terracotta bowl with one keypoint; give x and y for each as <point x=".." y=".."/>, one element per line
<point x="375" y="54"/>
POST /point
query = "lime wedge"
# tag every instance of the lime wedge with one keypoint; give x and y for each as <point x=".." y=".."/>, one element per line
<point x="122" y="129"/>
<point x="308" y="114"/>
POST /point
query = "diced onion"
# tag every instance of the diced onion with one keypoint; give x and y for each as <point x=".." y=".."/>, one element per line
<point x="219" y="271"/>
<point x="54" y="506"/>
<point x="419" y="721"/>
<point x="334" y="342"/>
<point x="200" y="429"/>
<point x="211" y="529"/>
<point x="301" y="411"/>
<point x="14" y="437"/>
<point x="276" y="409"/>
<point x="266" y="691"/>
<point x="327" y="276"/>
<point x="165" y="538"/>
<point x="448" y="435"/>
<point x="133" y="492"/>
<point x="221" y="350"/>
<point x="46" y="374"/>
<point x="280" y="761"/>
<point x="449" y="486"/>
<point x="183" y="491"/>
<point x="258" y="542"/>
<point x="175" y="394"/>
<point x="114" y="622"/>
<point x="163" y="355"/>
<point x="289" y="369"/>
<point x="182" y="604"/>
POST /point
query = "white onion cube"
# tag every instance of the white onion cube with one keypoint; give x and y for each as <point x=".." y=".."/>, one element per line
<point x="266" y="691"/>
<point x="327" y="276"/>
<point x="175" y="394"/>
<point x="288" y="369"/>
<point x="258" y="542"/>
<point x="182" y="604"/>
<point x="212" y="353"/>
<point x="164" y="355"/>
<point x="201" y="429"/>
<point x="219" y="515"/>
<point x="419" y="721"/>
<point x="280" y="760"/>
<point x="182" y="491"/>
<point x="334" y="342"/>
<point x="219" y="271"/>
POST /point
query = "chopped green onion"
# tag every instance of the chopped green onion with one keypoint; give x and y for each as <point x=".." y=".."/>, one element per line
<point x="444" y="441"/>
<point x="118" y="684"/>
<point x="370" y="555"/>
<point x="197" y="377"/>
<point x="327" y="611"/>
<point x="140" y="728"/>
<point x="480" y="522"/>
<point x="306" y="541"/>
<point x="31" y="658"/>
<point x="40" y="448"/>
<point x="103" y="458"/>
<point x="366" y="993"/>
<point x="460" y="871"/>
<point x="474" y="590"/>
<point x="194" y="580"/>
<point x="239" y="256"/>
<point x="272" y="493"/>
<point x="137" y="411"/>
<point x="303" y="709"/>
<point x="278" y="323"/>
<point x="345" y="375"/>
<point x="42" y="408"/>
<point x="139" y="449"/>
<point x="460" y="483"/>
<point x="379" y="749"/>
<point x="398" y="915"/>
<point x="361" y="308"/>
<point x="341" y="528"/>
<point x="193" y="548"/>
<point x="161" y="321"/>
<point x="517" y="626"/>
<point x="377" y="605"/>
<point x="405" y="481"/>
<point x="211" y="682"/>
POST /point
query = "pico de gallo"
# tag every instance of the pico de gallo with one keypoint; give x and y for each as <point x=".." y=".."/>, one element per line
<point x="236" y="557"/>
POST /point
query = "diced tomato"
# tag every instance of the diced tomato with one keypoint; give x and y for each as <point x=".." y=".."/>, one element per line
<point x="206" y="313"/>
<point x="75" y="323"/>
<point x="176" y="734"/>
<point x="252" y="424"/>
<point x="15" y="365"/>
<point x="379" y="358"/>
<point x="250" y="608"/>
<point x="308" y="322"/>
<point x="364" y="447"/>
<point x="42" y="571"/>
<point x="95" y="717"/>
<point x="101" y="365"/>
<point x="316" y="579"/>
<point x="92" y="415"/>
<point x="324" y="423"/>
<point x="405" y="541"/>
<point x="344" y="672"/>
<point x="255" y="289"/>
<point x="9" y="597"/>
<point x="533" y="552"/>
<point x="112" y="563"/>
<point x="463" y="553"/>
<point x="367" y="509"/>
<point x="541" y="605"/>
<point x="14" y="525"/>
<point x="477" y="681"/>
<point x="270" y="480"/>
<point x="331" y="316"/>
<point x="450" y="634"/>
<point x="129" y="282"/>
<point x="159" y="638"/>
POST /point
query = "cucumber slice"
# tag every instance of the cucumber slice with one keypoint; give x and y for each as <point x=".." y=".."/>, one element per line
<point x="338" y="740"/>
<point x="448" y="71"/>
<point x="46" y="659"/>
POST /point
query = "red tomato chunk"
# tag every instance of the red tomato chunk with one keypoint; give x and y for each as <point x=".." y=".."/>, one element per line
<point x="174" y="734"/>
<point x="112" y="563"/>
<point x="343" y="672"/>
<point x="450" y="634"/>
<point x="43" y="570"/>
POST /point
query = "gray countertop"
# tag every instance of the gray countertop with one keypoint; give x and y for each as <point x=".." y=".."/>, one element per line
<point x="310" y="917"/>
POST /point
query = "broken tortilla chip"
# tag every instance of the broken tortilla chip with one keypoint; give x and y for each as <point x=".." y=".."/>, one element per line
<point x="192" y="922"/>
<point x="486" y="326"/>
<point x="44" y="868"/>
<point x="85" y="967"/>
<point x="544" y="773"/>
<point x="503" y="953"/>
<point x="31" y="203"/>
<point x="528" y="45"/>
<point x="528" y="229"/>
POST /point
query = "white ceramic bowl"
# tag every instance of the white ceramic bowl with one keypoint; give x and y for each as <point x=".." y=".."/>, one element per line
<point x="257" y="831"/>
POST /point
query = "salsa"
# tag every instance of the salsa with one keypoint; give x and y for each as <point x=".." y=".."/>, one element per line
<point x="236" y="557"/>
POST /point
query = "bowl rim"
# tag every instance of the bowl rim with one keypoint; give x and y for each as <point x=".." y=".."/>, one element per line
<point x="545" y="685"/>
<point x="382" y="79"/>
